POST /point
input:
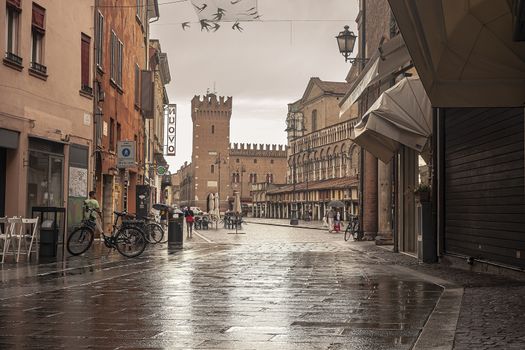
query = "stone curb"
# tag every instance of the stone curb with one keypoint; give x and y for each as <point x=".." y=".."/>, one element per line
<point x="287" y="225"/>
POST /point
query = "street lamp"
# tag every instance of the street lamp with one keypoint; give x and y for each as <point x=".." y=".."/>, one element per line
<point x="346" y="42"/>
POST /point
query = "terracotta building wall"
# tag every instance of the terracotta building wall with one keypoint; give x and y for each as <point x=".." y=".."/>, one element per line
<point x="119" y="102"/>
<point x="266" y="159"/>
<point x="211" y="134"/>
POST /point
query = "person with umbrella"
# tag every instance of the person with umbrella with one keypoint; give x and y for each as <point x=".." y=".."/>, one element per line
<point x="331" y="215"/>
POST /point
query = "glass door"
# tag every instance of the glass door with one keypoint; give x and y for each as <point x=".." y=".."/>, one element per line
<point x="45" y="180"/>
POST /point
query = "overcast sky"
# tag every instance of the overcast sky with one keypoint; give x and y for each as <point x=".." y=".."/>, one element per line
<point x="264" y="68"/>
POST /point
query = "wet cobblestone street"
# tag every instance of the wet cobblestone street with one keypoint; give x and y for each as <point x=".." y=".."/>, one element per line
<point x="269" y="288"/>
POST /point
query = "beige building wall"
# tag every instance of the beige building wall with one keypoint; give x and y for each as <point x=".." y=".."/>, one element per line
<point x="48" y="106"/>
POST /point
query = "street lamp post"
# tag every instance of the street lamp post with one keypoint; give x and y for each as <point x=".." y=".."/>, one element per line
<point x="294" y="123"/>
<point x="218" y="162"/>
<point x="346" y="41"/>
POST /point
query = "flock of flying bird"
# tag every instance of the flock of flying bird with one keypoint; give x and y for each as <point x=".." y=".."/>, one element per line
<point x="211" y="24"/>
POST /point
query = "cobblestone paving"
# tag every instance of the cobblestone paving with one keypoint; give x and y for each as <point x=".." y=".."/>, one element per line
<point x="272" y="288"/>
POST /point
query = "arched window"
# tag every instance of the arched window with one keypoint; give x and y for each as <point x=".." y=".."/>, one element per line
<point x="314" y="120"/>
<point x="212" y="168"/>
<point x="213" y="129"/>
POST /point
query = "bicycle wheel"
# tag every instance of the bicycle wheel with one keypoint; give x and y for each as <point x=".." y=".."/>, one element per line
<point x="154" y="233"/>
<point x="348" y="232"/>
<point x="80" y="240"/>
<point x="358" y="235"/>
<point x="130" y="241"/>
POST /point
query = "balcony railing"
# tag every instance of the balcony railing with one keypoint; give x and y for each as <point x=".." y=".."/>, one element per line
<point x="13" y="58"/>
<point x="39" y="68"/>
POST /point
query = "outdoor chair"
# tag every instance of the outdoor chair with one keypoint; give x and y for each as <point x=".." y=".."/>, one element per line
<point x="5" y="236"/>
<point x="31" y="236"/>
<point x="198" y="223"/>
<point x="11" y="234"/>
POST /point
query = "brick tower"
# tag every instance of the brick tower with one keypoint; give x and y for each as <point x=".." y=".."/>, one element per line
<point x="210" y="155"/>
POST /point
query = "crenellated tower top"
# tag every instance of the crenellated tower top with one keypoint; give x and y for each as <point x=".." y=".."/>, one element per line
<point x="211" y="105"/>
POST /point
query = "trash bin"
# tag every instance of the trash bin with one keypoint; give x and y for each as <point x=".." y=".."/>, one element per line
<point x="175" y="231"/>
<point x="49" y="229"/>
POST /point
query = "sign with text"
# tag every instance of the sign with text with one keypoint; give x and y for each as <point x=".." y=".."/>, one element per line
<point x="171" y="111"/>
<point x="126" y="154"/>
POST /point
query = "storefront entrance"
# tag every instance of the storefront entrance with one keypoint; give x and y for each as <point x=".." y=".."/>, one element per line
<point x="45" y="176"/>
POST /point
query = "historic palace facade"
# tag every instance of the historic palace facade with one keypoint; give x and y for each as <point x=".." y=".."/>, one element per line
<point x="323" y="163"/>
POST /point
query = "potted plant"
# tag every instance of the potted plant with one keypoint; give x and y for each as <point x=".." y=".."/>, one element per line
<point x="422" y="192"/>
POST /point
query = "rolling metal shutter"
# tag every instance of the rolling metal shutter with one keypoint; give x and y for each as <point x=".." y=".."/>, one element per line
<point x="484" y="184"/>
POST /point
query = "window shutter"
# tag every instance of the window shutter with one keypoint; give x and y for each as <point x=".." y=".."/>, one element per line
<point x="146" y="81"/>
<point x="37" y="19"/>
<point x="99" y="39"/>
<point x="112" y="56"/>
<point x="15" y="4"/>
<point x="137" y="85"/>
<point x="120" y="48"/>
<point x="85" y="43"/>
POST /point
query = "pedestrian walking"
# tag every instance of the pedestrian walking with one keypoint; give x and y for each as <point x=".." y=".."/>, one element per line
<point x="330" y="216"/>
<point x="337" y="221"/>
<point x="190" y="219"/>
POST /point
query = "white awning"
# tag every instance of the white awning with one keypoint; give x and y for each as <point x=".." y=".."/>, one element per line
<point x="390" y="58"/>
<point x="464" y="51"/>
<point x="401" y="115"/>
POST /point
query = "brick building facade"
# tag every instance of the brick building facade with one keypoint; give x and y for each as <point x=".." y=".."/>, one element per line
<point x="121" y="55"/>
<point x="218" y="166"/>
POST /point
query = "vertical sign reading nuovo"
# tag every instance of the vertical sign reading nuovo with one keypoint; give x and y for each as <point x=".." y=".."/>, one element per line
<point x="172" y="128"/>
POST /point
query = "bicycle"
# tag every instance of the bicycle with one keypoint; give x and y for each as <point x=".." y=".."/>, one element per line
<point x="352" y="230"/>
<point x="128" y="239"/>
<point x="153" y="231"/>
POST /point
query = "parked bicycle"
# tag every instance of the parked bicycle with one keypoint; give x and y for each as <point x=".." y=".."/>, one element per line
<point x="128" y="239"/>
<point x="353" y="229"/>
<point x="153" y="231"/>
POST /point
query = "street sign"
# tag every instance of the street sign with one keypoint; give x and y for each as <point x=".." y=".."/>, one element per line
<point x="161" y="170"/>
<point x="171" y="111"/>
<point x="126" y="154"/>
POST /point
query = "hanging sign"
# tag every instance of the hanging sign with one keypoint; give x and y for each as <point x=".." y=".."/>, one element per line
<point x="172" y="128"/>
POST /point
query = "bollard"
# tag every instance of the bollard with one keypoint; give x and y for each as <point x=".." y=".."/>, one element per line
<point x="175" y="231"/>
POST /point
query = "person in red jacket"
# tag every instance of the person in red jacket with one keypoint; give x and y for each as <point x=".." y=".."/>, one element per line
<point x="190" y="218"/>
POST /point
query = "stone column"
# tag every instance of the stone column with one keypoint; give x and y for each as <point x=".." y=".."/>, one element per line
<point x="384" y="234"/>
<point x="370" y="197"/>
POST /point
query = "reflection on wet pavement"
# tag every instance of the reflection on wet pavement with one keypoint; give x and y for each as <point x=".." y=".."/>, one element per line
<point x="258" y="295"/>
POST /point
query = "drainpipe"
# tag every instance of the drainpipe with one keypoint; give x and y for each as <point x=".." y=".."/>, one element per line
<point x="95" y="99"/>
<point x="362" y="53"/>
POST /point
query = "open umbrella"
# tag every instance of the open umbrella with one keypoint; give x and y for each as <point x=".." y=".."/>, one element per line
<point x="211" y="203"/>
<point x="217" y="204"/>
<point x="336" y="204"/>
<point x="237" y="203"/>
